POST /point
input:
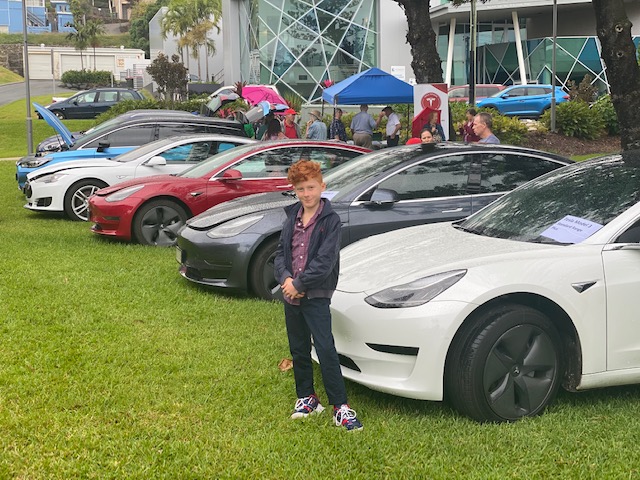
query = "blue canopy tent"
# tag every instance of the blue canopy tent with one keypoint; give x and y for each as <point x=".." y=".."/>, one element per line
<point x="371" y="86"/>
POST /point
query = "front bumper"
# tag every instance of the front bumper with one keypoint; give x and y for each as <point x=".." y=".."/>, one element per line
<point x="113" y="219"/>
<point x="43" y="197"/>
<point x="398" y="351"/>
<point x="217" y="262"/>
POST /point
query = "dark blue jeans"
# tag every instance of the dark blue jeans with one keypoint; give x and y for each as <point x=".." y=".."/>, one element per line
<point x="313" y="318"/>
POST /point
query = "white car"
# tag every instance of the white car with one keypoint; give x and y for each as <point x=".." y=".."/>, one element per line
<point x="496" y="312"/>
<point x="67" y="186"/>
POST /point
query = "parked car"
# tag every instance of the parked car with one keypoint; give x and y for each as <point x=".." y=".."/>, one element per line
<point x="91" y="103"/>
<point x="152" y="210"/>
<point x="233" y="244"/>
<point x="498" y="311"/>
<point x="524" y="100"/>
<point x="119" y="135"/>
<point x="67" y="186"/>
<point x="460" y="93"/>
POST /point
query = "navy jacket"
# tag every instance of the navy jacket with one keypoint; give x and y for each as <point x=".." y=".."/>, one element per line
<point x="320" y="275"/>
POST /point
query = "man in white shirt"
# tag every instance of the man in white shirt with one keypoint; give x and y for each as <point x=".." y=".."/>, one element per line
<point x="393" y="126"/>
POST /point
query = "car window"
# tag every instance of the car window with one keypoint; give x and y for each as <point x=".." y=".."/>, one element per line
<point x="441" y="177"/>
<point x="631" y="235"/>
<point x="503" y="172"/>
<point x="330" y="157"/>
<point x="170" y="129"/>
<point x="87" y="97"/>
<point x="134" y="135"/>
<point x="108" y="97"/>
<point x="458" y="93"/>
<point x="127" y="95"/>
<point x="535" y="91"/>
<point x="272" y="163"/>
<point x="518" y="92"/>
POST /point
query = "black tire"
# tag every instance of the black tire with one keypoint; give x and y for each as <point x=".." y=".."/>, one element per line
<point x="507" y="366"/>
<point x="157" y="223"/>
<point x="59" y="114"/>
<point x="261" y="279"/>
<point x="76" y="199"/>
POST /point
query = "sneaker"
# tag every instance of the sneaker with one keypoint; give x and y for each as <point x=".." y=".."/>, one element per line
<point x="345" y="417"/>
<point x="307" y="406"/>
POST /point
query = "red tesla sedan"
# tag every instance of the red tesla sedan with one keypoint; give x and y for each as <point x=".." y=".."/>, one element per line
<point x="151" y="210"/>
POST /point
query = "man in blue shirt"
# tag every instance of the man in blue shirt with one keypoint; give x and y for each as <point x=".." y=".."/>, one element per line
<point x="482" y="124"/>
<point x="316" y="129"/>
<point x="362" y="126"/>
<point x="336" y="129"/>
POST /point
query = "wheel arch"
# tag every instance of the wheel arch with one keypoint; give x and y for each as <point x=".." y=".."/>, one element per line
<point x="252" y="258"/>
<point x="88" y="179"/>
<point x="571" y="348"/>
<point x="155" y="199"/>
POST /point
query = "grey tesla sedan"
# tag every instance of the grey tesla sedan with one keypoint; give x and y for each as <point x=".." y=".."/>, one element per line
<point x="232" y="245"/>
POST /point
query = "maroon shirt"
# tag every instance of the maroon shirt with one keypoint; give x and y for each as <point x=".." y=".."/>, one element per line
<point x="300" y="244"/>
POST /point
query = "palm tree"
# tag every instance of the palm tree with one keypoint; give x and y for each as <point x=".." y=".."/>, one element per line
<point x="80" y="40"/>
<point x="94" y="29"/>
<point x="178" y="21"/>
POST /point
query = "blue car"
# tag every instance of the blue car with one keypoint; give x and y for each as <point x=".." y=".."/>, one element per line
<point x="523" y="100"/>
<point x="121" y="134"/>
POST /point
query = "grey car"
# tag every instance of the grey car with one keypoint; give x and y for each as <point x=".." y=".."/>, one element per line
<point x="232" y="245"/>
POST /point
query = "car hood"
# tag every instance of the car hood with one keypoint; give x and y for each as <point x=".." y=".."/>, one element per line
<point x="405" y="255"/>
<point x="153" y="180"/>
<point x="57" y="125"/>
<point x="238" y="207"/>
<point x="72" y="165"/>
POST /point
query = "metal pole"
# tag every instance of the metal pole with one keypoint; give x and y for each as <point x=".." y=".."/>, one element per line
<point x="474" y="53"/>
<point x="53" y="74"/>
<point x="25" y="55"/>
<point x="553" y="66"/>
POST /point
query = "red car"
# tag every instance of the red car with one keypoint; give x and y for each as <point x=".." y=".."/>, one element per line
<point x="151" y="210"/>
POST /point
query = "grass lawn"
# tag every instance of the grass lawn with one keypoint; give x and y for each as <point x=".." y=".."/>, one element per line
<point x="13" y="133"/>
<point x="7" y="76"/>
<point x="113" y="366"/>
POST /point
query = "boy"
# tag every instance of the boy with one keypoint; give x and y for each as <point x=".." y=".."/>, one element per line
<point x="306" y="266"/>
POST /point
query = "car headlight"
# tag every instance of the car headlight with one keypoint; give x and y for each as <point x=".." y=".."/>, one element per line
<point x="234" y="227"/>
<point x="415" y="293"/>
<point x="124" y="193"/>
<point x="51" y="178"/>
<point x="34" y="162"/>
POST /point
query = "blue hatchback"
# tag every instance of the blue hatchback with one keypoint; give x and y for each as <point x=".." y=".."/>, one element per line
<point x="523" y="100"/>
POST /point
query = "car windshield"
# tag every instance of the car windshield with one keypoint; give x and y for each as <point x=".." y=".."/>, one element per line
<point x="216" y="161"/>
<point x="136" y="153"/>
<point x="100" y="128"/>
<point x="342" y="179"/>
<point x="565" y="206"/>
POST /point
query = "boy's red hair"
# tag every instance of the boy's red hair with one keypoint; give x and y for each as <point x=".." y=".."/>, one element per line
<point x="303" y="171"/>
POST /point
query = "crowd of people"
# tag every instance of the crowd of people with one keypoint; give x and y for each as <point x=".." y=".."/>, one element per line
<point x="477" y="127"/>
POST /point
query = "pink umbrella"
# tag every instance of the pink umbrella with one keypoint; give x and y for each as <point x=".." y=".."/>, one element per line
<point x="257" y="93"/>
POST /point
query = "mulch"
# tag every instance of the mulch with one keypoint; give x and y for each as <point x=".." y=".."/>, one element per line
<point x="570" y="146"/>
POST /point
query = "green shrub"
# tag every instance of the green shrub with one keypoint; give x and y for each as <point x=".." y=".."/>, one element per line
<point x="510" y="130"/>
<point x="603" y="108"/>
<point x="86" y="78"/>
<point x="575" y="119"/>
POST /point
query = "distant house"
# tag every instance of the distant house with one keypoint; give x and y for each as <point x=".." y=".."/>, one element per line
<point x="38" y="21"/>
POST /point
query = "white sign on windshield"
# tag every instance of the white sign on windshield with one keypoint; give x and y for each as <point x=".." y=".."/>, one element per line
<point x="571" y="229"/>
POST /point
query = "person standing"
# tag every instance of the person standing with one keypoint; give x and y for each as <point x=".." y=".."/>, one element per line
<point x="435" y="127"/>
<point x="306" y="266"/>
<point x="291" y="128"/>
<point x="336" y="129"/>
<point x="274" y="131"/>
<point x="393" y="126"/>
<point x="262" y="129"/>
<point x="362" y="126"/>
<point x="316" y="129"/>
<point x="466" y="130"/>
<point x="482" y="124"/>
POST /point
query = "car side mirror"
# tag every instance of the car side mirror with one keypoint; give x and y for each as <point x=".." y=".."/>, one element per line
<point x="156" y="161"/>
<point x="231" y="174"/>
<point x="102" y="146"/>
<point x="384" y="196"/>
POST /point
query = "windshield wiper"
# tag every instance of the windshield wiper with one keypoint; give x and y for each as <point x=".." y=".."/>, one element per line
<point x="458" y="226"/>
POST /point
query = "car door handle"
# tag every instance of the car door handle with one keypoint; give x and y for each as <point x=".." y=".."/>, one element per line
<point x="195" y="194"/>
<point x="455" y="210"/>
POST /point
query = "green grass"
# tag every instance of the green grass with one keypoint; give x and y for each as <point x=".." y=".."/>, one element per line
<point x="113" y="366"/>
<point x="13" y="126"/>
<point x="7" y="76"/>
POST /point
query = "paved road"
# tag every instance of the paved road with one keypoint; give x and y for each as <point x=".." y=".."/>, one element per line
<point x="15" y="91"/>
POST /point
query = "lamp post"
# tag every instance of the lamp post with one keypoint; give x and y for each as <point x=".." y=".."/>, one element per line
<point x="25" y="55"/>
<point x="474" y="53"/>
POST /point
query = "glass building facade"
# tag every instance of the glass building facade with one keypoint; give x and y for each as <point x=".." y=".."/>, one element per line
<point x="298" y="45"/>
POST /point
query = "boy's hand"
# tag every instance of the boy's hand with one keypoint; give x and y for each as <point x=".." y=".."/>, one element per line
<point x="288" y="290"/>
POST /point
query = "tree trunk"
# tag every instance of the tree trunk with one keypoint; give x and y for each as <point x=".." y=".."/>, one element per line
<point x="426" y="63"/>
<point x="623" y="73"/>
